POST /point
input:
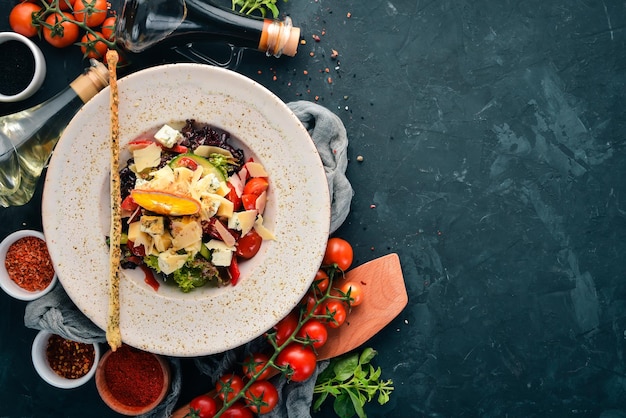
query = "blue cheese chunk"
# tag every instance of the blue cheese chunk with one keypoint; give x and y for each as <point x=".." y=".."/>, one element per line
<point x="242" y="221"/>
<point x="169" y="261"/>
<point x="221" y="254"/>
<point x="152" y="225"/>
<point x="168" y="136"/>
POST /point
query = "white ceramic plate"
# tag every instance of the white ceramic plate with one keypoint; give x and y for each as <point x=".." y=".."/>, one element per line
<point x="76" y="211"/>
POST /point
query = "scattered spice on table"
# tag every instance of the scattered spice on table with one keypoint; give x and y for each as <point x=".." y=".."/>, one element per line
<point x="28" y="264"/>
<point x="134" y="377"/>
<point x="69" y="359"/>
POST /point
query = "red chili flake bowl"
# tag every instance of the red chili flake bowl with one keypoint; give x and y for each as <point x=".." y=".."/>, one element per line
<point x="131" y="381"/>
<point x="21" y="264"/>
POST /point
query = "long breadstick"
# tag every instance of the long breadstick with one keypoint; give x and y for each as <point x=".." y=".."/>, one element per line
<point x="113" y="333"/>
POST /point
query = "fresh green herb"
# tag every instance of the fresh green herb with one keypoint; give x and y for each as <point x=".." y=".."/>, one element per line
<point x="250" y="6"/>
<point x="353" y="382"/>
<point x="196" y="272"/>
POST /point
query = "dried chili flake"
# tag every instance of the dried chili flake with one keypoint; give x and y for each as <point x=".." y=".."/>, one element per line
<point x="28" y="264"/>
<point x="69" y="359"/>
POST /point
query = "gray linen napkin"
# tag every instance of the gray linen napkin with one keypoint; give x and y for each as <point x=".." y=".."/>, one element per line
<point x="56" y="313"/>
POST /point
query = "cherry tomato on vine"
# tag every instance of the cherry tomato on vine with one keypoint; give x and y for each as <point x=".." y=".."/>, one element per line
<point x="229" y="386"/>
<point x="91" y="47"/>
<point x="310" y="305"/>
<point x="336" y="310"/>
<point x="249" y="244"/>
<point x="254" y="363"/>
<point x="63" y="4"/>
<point x="237" y="410"/>
<point x="286" y="327"/>
<point x="301" y="361"/>
<point x="108" y="28"/>
<point x="314" y="331"/>
<point x="203" y="406"/>
<point x="338" y="251"/>
<point x="354" y="291"/>
<point x="21" y="19"/>
<point x="90" y="12"/>
<point x="261" y="397"/>
<point x="58" y="33"/>
<point x="321" y="281"/>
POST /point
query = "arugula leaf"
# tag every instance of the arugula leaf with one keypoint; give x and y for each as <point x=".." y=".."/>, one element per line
<point x="353" y="382"/>
<point x="250" y="6"/>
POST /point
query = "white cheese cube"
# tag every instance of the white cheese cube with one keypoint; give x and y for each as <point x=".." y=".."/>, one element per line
<point x="168" y="136"/>
<point x="221" y="254"/>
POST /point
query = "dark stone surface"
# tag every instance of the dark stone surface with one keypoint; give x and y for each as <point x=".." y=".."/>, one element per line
<point x="493" y="141"/>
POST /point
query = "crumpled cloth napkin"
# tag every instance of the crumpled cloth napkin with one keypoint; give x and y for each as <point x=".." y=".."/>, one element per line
<point x="56" y="313"/>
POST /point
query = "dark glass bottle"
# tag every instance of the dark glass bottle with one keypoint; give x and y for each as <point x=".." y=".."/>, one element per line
<point x="144" y="23"/>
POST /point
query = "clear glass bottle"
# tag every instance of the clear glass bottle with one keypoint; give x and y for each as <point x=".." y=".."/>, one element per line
<point x="27" y="138"/>
<point x="144" y="23"/>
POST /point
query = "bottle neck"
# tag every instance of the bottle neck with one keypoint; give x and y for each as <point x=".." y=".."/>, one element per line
<point x="94" y="79"/>
<point x="143" y="23"/>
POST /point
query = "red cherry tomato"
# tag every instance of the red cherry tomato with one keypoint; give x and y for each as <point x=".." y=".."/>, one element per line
<point x="237" y="410"/>
<point x="21" y="18"/>
<point x="138" y="250"/>
<point x="299" y="359"/>
<point x="229" y="386"/>
<point x="249" y="201"/>
<point x="233" y="270"/>
<point x="91" y="12"/>
<point x="353" y="291"/>
<point x="108" y="28"/>
<point x="129" y="204"/>
<point x="203" y="406"/>
<point x="261" y="397"/>
<point x="59" y="33"/>
<point x="254" y="363"/>
<point x="249" y="244"/>
<point x="256" y="186"/>
<point x="321" y="282"/>
<point x="336" y="311"/>
<point x="314" y="331"/>
<point x="338" y="251"/>
<point x="187" y="162"/>
<point x="91" y="47"/>
<point x="285" y="328"/>
<point x="232" y="196"/>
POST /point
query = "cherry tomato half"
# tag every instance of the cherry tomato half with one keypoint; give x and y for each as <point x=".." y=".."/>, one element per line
<point x="301" y="361"/>
<point x="248" y="245"/>
<point x="249" y="201"/>
<point x="232" y="196"/>
<point x="261" y="397"/>
<point x="314" y="331"/>
<point x="256" y="186"/>
<point x="254" y="363"/>
<point x="338" y="251"/>
<point x="229" y="386"/>
<point x="203" y="406"/>
<point x="21" y="19"/>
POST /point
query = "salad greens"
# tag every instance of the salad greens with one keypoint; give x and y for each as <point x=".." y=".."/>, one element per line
<point x="262" y="6"/>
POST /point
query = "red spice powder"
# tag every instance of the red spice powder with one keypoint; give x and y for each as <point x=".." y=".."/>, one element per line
<point x="28" y="264"/>
<point x="134" y="377"/>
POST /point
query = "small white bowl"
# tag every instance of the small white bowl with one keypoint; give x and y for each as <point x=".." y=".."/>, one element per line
<point x="42" y="366"/>
<point x="9" y="286"/>
<point x="39" y="73"/>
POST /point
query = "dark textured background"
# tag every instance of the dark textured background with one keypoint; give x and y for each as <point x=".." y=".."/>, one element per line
<point x="493" y="141"/>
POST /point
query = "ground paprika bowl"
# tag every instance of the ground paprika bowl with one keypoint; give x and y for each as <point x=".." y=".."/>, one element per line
<point x="9" y="286"/>
<point x="131" y="370"/>
<point x="45" y="371"/>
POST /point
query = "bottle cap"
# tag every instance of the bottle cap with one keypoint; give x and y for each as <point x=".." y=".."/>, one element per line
<point x="291" y="46"/>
